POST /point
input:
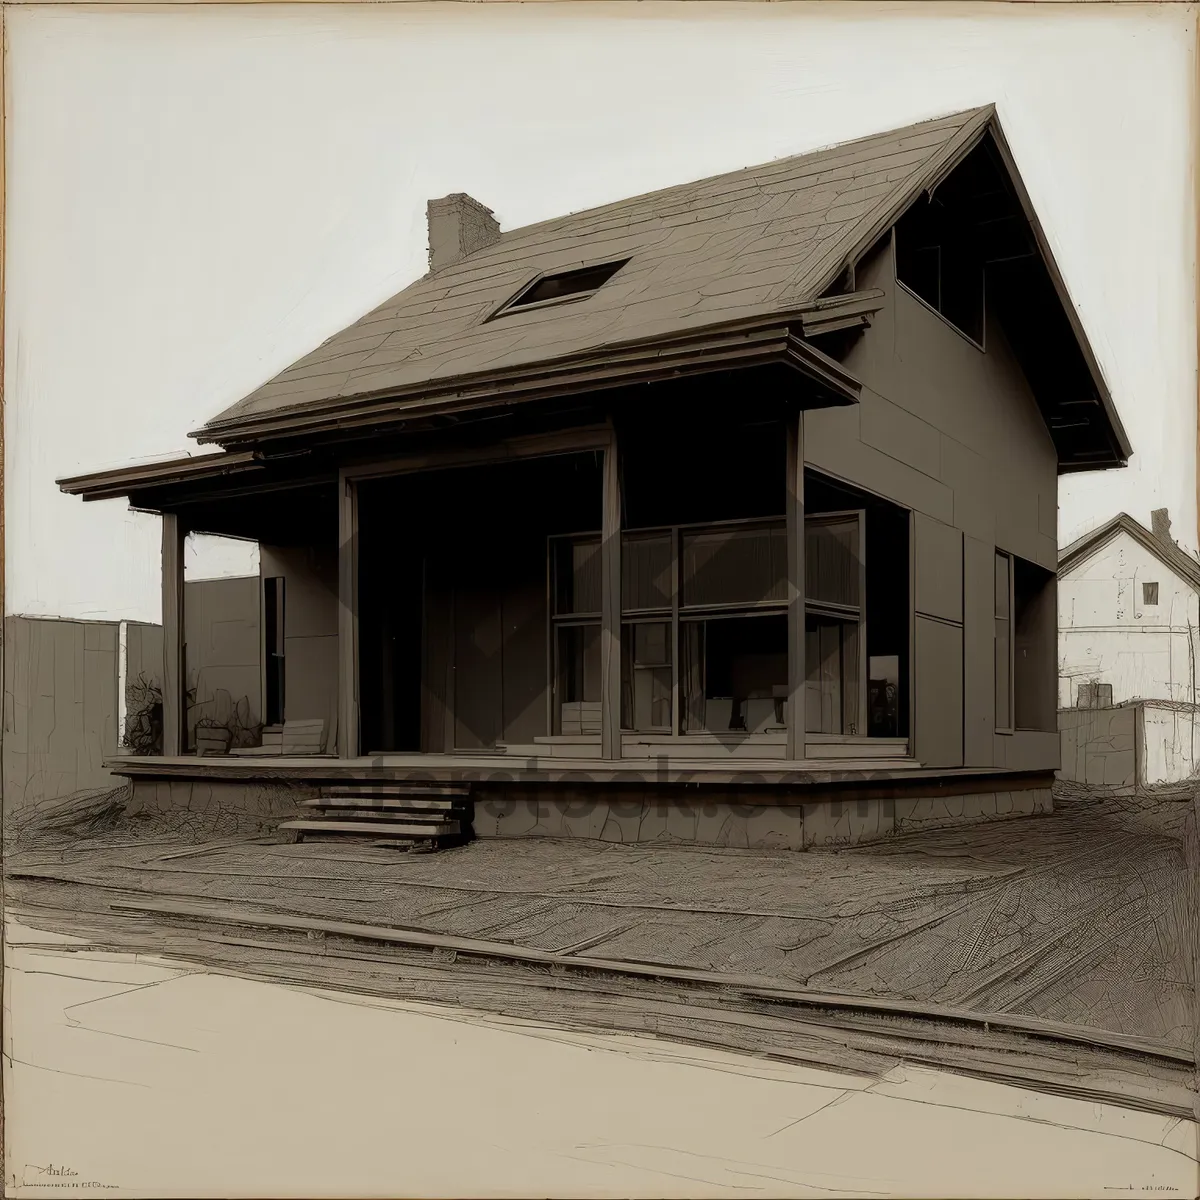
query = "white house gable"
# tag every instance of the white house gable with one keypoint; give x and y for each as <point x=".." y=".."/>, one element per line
<point x="1127" y="620"/>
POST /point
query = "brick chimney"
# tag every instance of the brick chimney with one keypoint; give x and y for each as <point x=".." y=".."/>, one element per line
<point x="1160" y="526"/>
<point x="458" y="226"/>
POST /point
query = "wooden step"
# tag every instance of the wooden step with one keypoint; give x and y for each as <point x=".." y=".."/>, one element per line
<point x="375" y="828"/>
<point x="393" y="843"/>
<point x="397" y="789"/>
<point x="434" y="820"/>
<point x="390" y="803"/>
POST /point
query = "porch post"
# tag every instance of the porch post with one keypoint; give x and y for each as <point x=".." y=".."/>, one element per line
<point x="347" y="734"/>
<point x="173" y="699"/>
<point x="610" y="607"/>
<point x="795" y="569"/>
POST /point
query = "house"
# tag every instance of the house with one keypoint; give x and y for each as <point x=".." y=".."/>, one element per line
<point x="1129" y="635"/>
<point x="724" y="513"/>
<point x="1129" y="616"/>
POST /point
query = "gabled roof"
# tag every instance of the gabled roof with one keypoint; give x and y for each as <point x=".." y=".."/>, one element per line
<point x="755" y="243"/>
<point x="733" y="255"/>
<point x="1171" y="556"/>
<point x="749" y="256"/>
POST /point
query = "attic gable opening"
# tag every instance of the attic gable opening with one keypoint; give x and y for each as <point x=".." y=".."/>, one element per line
<point x="562" y="286"/>
<point x="938" y="259"/>
<point x="969" y="250"/>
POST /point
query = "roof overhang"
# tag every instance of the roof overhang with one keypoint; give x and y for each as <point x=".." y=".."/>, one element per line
<point x="111" y="485"/>
<point x="779" y="340"/>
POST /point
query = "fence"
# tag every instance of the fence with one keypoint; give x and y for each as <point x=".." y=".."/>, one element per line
<point x="68" y="685"/>
<point x="1139" y="744"/>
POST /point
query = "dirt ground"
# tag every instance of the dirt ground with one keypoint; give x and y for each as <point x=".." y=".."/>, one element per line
<point x="1079" y="917"/>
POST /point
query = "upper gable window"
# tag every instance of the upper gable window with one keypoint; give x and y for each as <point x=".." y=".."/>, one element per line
<point x="1149" y="593"/>
<point x="938" y="259"/>
<point x="564" y="285"/>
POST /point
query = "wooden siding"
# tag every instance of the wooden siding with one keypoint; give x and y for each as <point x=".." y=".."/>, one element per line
<point x="60" y="708"/>
<point x="954" y="434"/>
<point x="310" y="630"/>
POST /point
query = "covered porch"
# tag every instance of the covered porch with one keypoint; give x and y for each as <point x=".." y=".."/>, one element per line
<point x="665" y="585"/>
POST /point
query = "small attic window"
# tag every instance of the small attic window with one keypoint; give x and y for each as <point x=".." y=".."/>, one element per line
<point x="565" y="285"/>
<point x="938" y="260"/>
<point x="1149" y="593"/>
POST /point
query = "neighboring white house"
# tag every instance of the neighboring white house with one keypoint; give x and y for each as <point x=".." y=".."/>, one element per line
<point x="1128" y="616"/>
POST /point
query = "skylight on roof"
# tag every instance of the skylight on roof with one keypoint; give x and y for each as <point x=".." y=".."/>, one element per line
<point x="565" y="285"/>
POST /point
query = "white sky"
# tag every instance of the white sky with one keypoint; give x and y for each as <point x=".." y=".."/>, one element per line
<point x="199" y="197"/>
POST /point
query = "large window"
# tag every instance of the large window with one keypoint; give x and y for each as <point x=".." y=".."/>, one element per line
<point x="704" y="629"/>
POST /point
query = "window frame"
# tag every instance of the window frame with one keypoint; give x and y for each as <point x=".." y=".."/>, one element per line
<point x="1007" y="728"/>
<point x="513" y="303"/>
<point x="1146" y="593"/>
<point x="677" y="614"/>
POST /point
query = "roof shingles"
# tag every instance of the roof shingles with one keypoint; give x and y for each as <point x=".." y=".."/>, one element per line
<point x="751" y="243"/>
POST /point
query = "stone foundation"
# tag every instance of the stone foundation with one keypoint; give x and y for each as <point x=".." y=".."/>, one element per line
<point x="664" y="816"/>
<point x="736" y="822"/>
<point x="226" y="806"/>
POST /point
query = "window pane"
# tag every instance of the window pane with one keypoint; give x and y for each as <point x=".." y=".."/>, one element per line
<point x="734" y="674"/>
<point x="831" y="686"/>
<point x="884" y="696"/>
<point x="735" y="566"/>
<point x="578" y="680"/>
<point x="646" y="676"/>
<point x="832" y="563"/>
<point x="646" y="571"/>
<point x="577" y="576"/>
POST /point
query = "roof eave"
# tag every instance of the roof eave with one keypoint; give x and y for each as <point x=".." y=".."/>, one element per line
<point x="1123" y="448"/>
<point x="123" y="481"/>
<point x="761" y="341"/>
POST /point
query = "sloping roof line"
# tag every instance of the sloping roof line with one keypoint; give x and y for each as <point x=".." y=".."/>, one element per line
<point x="1170" y="556"/>
<point x="712" y="348"/>
<point x="108" y="485"/>
<point x="761" y="241"/>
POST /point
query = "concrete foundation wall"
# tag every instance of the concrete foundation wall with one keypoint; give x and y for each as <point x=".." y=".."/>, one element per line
<point x="728" y="819"/>
<point x="726" y="823"/>
<point x="218" y="805"/>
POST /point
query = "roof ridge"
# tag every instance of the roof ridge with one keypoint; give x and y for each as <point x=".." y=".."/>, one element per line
<point x="966" y="115"/>
<point x="1172" y="556"/>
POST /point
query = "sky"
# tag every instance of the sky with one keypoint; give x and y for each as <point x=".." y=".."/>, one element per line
<point x="198" y="197"/>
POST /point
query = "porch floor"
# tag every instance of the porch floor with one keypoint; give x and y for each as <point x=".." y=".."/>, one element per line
<point x="501" y="766"/>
